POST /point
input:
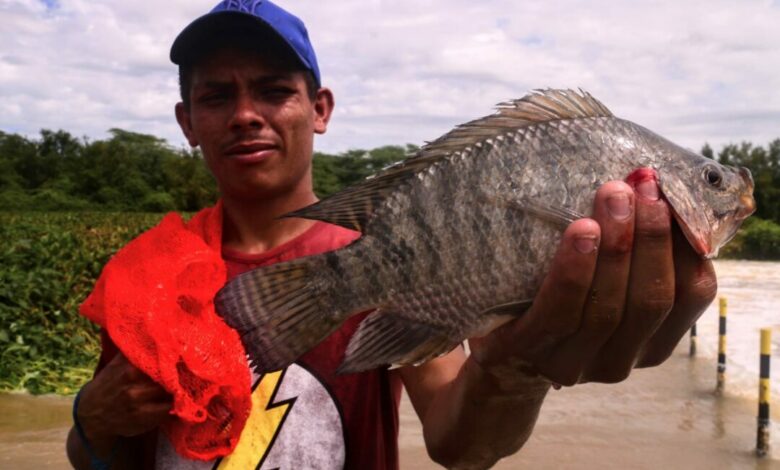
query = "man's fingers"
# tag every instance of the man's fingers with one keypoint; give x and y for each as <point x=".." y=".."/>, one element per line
<point x="695" y="288"/>
<point x="603" y="306"/>
<point x="650" y="293"/>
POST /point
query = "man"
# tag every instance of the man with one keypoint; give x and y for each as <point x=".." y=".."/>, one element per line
<point x="623" y="288"/>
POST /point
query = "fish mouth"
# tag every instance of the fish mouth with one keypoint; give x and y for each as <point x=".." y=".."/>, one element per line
<point x="747" y="207"/>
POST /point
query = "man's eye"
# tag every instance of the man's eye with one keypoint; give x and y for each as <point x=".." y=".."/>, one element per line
<point x="277" y="92"/>
<point x="213" y="97"/>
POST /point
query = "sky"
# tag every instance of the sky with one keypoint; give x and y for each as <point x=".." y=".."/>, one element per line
<point x="402" y="72"/>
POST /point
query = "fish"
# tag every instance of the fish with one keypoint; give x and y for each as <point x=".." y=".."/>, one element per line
<point x="456" y="239"/>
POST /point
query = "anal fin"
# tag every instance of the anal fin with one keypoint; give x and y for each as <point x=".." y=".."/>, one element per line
<point x="384" y="338"/>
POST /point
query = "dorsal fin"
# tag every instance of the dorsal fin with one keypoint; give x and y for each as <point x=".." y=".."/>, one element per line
<point x="353" y="207"/>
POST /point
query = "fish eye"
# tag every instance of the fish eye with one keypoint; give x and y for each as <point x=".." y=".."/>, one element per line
<point x="713" y="176"/>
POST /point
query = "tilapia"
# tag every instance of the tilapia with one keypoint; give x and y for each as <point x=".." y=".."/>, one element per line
<point x="457" y="238"/>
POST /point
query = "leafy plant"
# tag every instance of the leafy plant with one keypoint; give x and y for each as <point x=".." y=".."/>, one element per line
<point x="49" y="264"/>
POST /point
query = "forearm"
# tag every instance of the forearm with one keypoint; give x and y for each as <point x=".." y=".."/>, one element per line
<point x="478" y="418"/>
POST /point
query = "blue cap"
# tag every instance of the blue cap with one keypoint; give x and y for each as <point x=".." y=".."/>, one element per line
<point x="254" y="18"/>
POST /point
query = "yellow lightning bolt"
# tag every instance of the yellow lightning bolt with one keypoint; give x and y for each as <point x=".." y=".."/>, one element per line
<point x="261" y="427"/>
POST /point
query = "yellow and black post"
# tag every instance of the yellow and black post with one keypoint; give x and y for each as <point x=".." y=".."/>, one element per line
<point x="722" y="346"/>
<point x="692" y="350"/>
<point x="762" y="440"/>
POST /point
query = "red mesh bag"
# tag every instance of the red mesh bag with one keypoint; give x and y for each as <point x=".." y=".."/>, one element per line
<point x="155" y="300"/>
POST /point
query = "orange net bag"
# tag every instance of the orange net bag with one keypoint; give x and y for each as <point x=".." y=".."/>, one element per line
<point x="155" y="300"/>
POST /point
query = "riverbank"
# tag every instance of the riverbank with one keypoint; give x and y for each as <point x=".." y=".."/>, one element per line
<point x="666" y="417"/>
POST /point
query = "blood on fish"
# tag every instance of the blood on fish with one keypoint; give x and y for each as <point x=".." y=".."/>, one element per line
<point x="640" y="175"/>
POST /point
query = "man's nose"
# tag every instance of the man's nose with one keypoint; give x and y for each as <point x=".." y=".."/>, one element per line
<point x="246" y="114"/>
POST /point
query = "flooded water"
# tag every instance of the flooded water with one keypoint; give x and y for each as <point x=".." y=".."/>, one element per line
<point x="33" y="431"/>
<point x="752" y="290"/>
<point x="666" y="417"/>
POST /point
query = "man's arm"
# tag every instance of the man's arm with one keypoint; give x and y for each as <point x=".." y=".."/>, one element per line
<point x="119" y="402"/>
<point x="597" y="315"/>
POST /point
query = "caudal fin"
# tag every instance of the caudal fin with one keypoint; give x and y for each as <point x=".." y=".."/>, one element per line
<point x="279" y="311"/>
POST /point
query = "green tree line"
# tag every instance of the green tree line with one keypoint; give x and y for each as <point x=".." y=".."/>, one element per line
<point x="138" y="172"/>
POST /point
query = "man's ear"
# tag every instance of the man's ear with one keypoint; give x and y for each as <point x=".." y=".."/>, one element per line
<point x="323" y="108"/>
<point x="183" y="118"/>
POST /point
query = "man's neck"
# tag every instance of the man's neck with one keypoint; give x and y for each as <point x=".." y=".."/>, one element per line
<point x="254" y="226"/>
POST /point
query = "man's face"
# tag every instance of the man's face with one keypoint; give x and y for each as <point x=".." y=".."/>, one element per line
<point x="255" y="123"/>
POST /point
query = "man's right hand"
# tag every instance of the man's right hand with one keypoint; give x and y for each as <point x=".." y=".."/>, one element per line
<point x="121" y="401"/>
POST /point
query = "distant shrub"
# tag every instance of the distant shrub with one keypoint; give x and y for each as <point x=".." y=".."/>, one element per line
<point x="158" y="202"/>
<point x="55" y="200"/>
<point x="761" y="240"/>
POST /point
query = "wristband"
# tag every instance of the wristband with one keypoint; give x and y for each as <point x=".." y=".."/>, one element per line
<point x="95" y="462"/>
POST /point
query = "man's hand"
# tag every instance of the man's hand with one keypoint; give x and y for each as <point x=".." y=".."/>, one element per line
<point x="121" y="401"/>
<point x="624" y="287"/>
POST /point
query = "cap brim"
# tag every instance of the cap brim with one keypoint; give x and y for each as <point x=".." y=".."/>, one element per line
<point x="200" y="35"/>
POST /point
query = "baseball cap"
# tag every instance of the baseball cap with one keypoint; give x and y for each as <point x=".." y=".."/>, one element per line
<point x="252" y="21"/>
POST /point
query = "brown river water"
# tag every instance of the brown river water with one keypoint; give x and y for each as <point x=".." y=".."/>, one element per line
<point x="662" y="418"/>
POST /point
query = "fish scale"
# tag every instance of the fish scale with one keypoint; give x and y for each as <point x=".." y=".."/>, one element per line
<point x="457" y="238"/>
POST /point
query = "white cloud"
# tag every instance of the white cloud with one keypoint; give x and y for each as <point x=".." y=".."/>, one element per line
<point x="403" y="72"/>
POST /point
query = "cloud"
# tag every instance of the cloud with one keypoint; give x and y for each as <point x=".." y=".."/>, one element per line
<point x="408" y="71"/>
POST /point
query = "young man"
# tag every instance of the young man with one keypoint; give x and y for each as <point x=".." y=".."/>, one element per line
<point x="623" y="289"/>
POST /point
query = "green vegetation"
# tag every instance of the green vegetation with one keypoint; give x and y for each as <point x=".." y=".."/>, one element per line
<point x="66" y="205"/>
<point x="758" y="239"/>
<point x="49" y="264"/>
<point x="139" y="173"/>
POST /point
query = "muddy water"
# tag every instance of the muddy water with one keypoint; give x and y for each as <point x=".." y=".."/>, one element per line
<point x="33" y="431"/>
<point x="666" y="417"/>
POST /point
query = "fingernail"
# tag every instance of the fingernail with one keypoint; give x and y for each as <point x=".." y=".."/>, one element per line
<point x="585" y="244"/>
<point x="648" y="189"/>
<point x="619" y="206"/>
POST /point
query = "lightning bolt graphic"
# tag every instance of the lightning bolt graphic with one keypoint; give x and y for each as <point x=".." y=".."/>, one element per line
<point x="262" y="427"/>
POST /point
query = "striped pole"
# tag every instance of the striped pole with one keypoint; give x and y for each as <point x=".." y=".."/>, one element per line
<point x="722" y="346"/>
<point x="762" y="439"/>
<point x="692" y="350"/>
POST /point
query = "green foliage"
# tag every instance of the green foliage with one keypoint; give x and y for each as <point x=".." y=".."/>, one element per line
<point x="334" y="172"/>
<point x="757" y="239"/>
<point x="49" y="264"/>
<point x="128" y="172"/>
<point x="761" y="240"/>
<point x="139" y="172"/>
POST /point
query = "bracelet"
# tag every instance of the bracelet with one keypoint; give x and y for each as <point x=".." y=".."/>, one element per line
<point x="95" y="462"/>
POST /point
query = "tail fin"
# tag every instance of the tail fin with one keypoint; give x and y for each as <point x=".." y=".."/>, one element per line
<point x="279" y="311"/>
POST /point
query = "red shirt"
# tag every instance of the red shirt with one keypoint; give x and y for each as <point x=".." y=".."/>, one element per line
<point x="308" y="416"/>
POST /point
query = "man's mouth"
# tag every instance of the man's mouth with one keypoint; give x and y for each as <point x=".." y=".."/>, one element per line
<point x="250" y="152"/>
